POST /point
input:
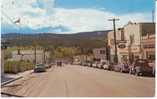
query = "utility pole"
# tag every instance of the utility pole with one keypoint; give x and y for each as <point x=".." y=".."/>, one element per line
<point x="34" y="44"/>
<point x="35" y="55"/>
<point x="153" y="14"/>
<point x="115" y="42"/>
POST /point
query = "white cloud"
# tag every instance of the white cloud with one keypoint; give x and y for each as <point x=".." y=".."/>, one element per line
<point x="37" y="14"/>
<point x="79" y="20"/>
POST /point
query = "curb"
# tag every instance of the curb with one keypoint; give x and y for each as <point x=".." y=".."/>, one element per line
<point x="9" y="95"/>
<point x="7" y="82"/>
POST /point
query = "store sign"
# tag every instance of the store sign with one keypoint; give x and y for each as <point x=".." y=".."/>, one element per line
<point x="121" y="46"/>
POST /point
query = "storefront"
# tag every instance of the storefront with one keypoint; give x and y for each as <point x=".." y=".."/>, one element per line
<point x="123" y="53"/>
<point x="148" y="43"/>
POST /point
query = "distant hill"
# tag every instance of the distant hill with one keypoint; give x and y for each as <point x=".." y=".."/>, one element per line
<point x="82" y="39"/>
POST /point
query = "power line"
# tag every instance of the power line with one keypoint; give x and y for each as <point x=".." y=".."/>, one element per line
<point x="10" y="19"/>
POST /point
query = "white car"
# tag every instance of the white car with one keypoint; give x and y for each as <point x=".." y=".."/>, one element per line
<point x="94" y="65"/>
<point x="99" y="65"/>
<point x="106" y="66"/>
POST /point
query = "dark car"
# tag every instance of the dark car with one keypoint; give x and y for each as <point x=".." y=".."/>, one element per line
<point x="59" y="63"/>
<point x="84" y="63"/>
<point x="89" y="63"/>
<point x="141" y="67"/>
<point x="102" y="64"/>
<point x="111" y="67"/>
<point x="123" y="67"/>
<point x="40" y="68"/>
<point x="48" y="66"/>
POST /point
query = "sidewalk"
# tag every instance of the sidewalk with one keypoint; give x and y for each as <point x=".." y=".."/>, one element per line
<point x="7" y="78"/>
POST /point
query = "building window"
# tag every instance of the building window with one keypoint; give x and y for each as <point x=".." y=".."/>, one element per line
<point x="149" y="46"/>
<point x="122" y="35"/>
<point x="102" y="51"/>
<point x="150" y="56"/>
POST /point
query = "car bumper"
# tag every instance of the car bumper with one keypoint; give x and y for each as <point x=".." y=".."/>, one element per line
<point x="39" y="70"/>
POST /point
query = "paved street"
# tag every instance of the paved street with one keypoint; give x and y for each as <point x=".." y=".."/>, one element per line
<point x="80" y="81"/>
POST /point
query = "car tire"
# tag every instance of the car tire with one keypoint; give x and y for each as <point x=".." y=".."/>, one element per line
<point x="137" y="73"/>
<point x="121" y="70"/>
<point x="130" y="72"/>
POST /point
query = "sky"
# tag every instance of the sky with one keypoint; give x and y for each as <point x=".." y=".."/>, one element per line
<point x="71" y="16"/>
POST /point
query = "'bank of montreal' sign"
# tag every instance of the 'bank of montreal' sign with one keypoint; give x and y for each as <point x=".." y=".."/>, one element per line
<point x="121" y="44"/>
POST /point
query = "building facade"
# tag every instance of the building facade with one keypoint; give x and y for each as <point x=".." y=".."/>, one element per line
<point x="148" y="42"/>
<point x="129" y="41"/>
<point x="120" y="37"/>
<point x="29" y="55"/>
<point x="78" y="59"/>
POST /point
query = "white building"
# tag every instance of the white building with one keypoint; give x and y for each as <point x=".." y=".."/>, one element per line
<point x="30" y="56"/>
<point x="99" y="53"/>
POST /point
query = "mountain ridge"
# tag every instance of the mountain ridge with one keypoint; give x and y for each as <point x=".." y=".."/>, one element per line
<point x="82" y="39"/>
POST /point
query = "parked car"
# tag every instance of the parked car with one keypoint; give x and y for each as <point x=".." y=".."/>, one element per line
<point x="99" y="65"/>
<point x="152" y="64"/>
<point x="124" y="67"/>
<point x="105" y="66"/>
<point x="76" y="63"/>
<point x="94" y="64"/>
<point x="154" y="70"/>
<point x="117" y="67"/>
<point x="84" y="63"/>
<point x="111" y="66"/>
<point x="89" y="63"/>
<point x="141" y="67"/>
<point x="59" y="63"/>
<point x="40" y="68"/>
<point x="48" y="65"/>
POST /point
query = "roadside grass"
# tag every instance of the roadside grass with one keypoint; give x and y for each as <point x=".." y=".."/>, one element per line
<point x="17" y="66"/>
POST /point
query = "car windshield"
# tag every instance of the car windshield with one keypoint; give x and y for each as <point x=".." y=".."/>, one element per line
<point x="40" y="65"/>
<point x="103" y="62"/>
<point x="141" y="63"/>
